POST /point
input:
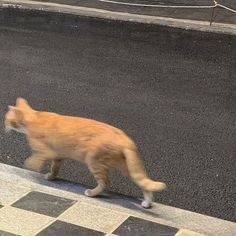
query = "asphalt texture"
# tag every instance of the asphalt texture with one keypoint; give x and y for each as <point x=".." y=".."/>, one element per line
<point x="220" y="15"/>
<point x="172" y="91"/>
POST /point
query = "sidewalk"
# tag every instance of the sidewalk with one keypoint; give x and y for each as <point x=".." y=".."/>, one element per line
<point x="198" y="14"/>
<point x="31" y="205"/>
<point x="223" y="21"/>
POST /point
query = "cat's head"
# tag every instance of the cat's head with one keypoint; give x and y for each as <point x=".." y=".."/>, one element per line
<point x="17" y="116"/>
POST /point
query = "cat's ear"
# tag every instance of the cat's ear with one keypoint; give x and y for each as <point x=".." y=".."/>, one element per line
<point x="21" y="102"/>
<point x="16" y="113"/>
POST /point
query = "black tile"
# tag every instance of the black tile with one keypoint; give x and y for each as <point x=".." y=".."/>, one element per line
<point x="60" y="228"/>
<point x="44" y="203"/>
<point x="139" y="227"/>
<point x="3" y="233"/>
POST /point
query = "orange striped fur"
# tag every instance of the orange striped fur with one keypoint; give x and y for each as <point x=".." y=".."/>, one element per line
<point x="102" y="147"/>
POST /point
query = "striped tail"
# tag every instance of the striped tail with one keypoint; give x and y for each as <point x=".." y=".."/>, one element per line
<point x="138" y="174"/>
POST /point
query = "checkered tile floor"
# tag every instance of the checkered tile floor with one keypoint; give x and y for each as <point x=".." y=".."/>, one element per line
<point x="38" y="213"/>
<point x="31" y="205"/>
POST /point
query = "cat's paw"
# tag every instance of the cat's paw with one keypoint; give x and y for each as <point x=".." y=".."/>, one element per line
<point x="146" y="204"/>
<point x="49" y="176"/>
<point x="88" y="192"/>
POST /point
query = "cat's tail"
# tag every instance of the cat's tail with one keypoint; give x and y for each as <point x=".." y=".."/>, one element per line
<point x="138" y="174"/>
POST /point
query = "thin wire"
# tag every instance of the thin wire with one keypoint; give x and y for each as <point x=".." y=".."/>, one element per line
<point x="227" y="8"/>
<point x="154" y="5"/>
<point x="169" y="6"/>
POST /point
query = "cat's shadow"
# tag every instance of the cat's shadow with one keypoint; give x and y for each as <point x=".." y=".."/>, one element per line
<point x="106" y="197"/>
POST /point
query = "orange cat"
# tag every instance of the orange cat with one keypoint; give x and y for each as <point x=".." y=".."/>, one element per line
<point x="53" y="137"/>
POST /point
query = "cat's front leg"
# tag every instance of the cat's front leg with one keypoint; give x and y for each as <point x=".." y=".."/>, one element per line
<point x="35" y="162"/>
<point x="55" y="166"/>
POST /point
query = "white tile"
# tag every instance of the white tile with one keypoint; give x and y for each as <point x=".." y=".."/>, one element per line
<point x="22" y="222"/>
<point x="93" y="217"/>
<point x="185" y="232"/>
<point x="10" y="192"/>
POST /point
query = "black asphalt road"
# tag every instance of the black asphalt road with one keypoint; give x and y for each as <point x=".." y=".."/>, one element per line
<point x="172" y="91"/>
<point x="220" y="15"/>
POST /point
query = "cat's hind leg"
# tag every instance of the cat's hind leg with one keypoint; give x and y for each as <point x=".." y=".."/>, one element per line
<point x="55" y="166"/>
<point x="101" y="174"/>
<point x="94" y="192"/>
<point x="147" y="202"/>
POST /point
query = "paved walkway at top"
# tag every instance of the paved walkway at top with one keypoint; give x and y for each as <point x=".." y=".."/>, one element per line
<point x="201" y="14"/>
<point x="30" y="205"/>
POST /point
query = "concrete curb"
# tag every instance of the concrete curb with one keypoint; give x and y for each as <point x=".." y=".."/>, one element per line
<point x="118" y="16"/>
<point x="162" y="214"/>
